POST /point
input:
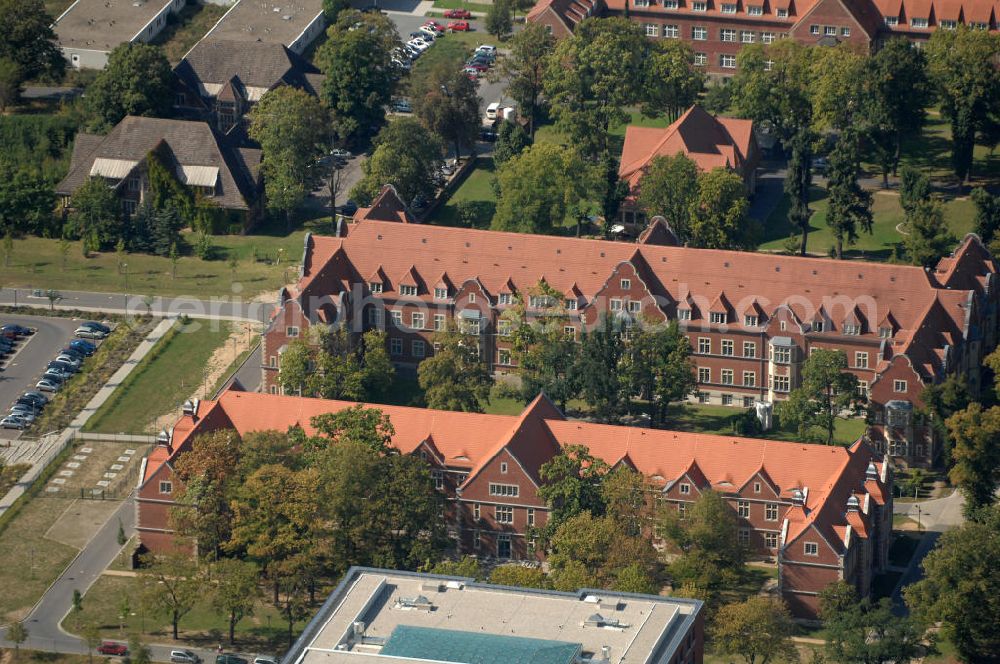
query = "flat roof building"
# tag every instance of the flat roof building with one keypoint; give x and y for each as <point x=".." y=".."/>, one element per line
<point x="381" y="616"/>
<point x="90" y="29"/>
<point x="294" y="23"/>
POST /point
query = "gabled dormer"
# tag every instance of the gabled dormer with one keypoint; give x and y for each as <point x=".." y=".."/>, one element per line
<point x="574" y="298"/>
<point x="821" y="321"/>
<point x="443" y="287"/>
<point x="687" y="309"/>
<point x="754" y="314"/>
<point x="409" y="283"/>
<point x="378" y="282"/>
<point x="691" y="483"/>
<point x="720" y="311"/>
<point x="507" y="292"/>
<point x="887" y="327"/>
<point x="854" y="323"/>
<point x="760" y="485"/>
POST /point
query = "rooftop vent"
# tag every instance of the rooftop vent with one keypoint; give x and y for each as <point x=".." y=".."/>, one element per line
<point x="871" y="473"/>
<point x="853" y="504"/>
<point x="189" y="407"/>
<point x="798" y="498"/>
<point x="163" y="438"/>
<point x="431" y="587"/>
<point x="420" y="603"/>
<point x="597" y="620"/>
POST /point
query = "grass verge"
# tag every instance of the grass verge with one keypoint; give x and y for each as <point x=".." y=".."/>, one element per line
<point x="265" y="631"/>
<point x="718" y="420"/>
<point x="461" y="4"/>
<point x="163" y="379"/>
<point x="476" y="195"/>
<point x="95" y="372"/>
<point x="9" y="476"/>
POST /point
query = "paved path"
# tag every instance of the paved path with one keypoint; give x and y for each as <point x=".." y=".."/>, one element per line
<point x="217" y="308"/>
<point x="939" y="514"/>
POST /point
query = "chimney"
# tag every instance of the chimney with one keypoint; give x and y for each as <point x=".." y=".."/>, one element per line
<point x="606" y="653"/>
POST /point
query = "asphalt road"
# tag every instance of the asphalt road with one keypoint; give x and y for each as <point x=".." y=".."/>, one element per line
<point x="230" y="308"/>
<point x="23" y="369"/>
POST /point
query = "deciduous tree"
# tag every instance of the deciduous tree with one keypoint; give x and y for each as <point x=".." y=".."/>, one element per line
<point x="759" y="630"/>
<point x="669" y="188"/>
<point x="571" y="484"/>
<point x="236" y="591"/>
<point x="987" y="221"/>
<point x="455" y="377"/>
<point x="707" y="538"/>
<point x="10" y="83"/>
<point x="596" y="371"/>
<point x="292" y="128"/>
<point x="96" y="213"/>
<point x="408" y="156"/>
<point x="512" y="140"/>
<point x="773" y="86"/>
<point x="136" y="81"/>
<point x="171" y="585"/>
<point x="27" y="201"/>
<point x="524" y="68"/>
<point x="657" y="366"/>
<point x="720" y="215"/>
<point x="867" y="631"/>
<point x="519" y="576"/>
<point x="27" y="38"/>
<point x="448" y="104"/>
<point x="967" y="84"/>
<point x="976" y="455"/>
<point x="960" y="588"/>
<point x="673" y="82"/>
<point x="927" y="236"/>
<point x="827" y="390"/>
<point x="360" y="77"/>
<point x="500" y="18"/>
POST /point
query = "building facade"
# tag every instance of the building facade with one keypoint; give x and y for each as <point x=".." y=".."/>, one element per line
<point x="752" y="319"/>
<point x="718" y="29"/>
<point x="824" y="513"/>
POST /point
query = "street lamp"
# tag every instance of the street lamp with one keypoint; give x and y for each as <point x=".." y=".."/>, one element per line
<point x="919" y="527"/>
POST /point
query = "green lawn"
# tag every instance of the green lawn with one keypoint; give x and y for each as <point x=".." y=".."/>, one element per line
<point x="461" y="4"/>
<point x="56" y="7"/>
<point x="265" y="631"/>
<point x="476" y="191"/>
<point x="38" y="263"/>
<point x="718" y="420"/>
<point x="930" y="151"/>
<point x="549" y="133"/>
<point x="185" y="29"/>
<point x="887" y="214"/>
<point x="453" y="49"/>
<point x="30" y="561"/>
<point x="164" y="379"/>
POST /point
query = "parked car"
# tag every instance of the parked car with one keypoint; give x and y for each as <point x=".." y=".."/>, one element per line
<point x="34" y="397"/>
<point x="184" y="657"/>
<point x="19" y="330"/>
<point x="55" y="376"/>
<point x="459" y="26"/>
<point x="13" y="422"/>
<point x="471" y="72"/>
<point x="486" y="48"/>
<point x="434" y="24"/>
<point x="264" y="659"/>
<point x="65" y="367"/>
<point x="229" y="659"/>
<point x="19" y="408"/>
<point x="482" y="57"/>
<point x="458" y="13"/>
<point x="46" y="385"/>
<point x="478" y="66"/>
<point x="112" y="648"/>
<point x="89" y="333"/>
<point x="25" y="415"/>
<point x="488" y="135"/>
<point x="84" y="347"/>
<point x="74" y="353"/>
<point x="400" y="106"/>
<point x="819" y="165"/>
<point x="419" y="44"/>
<point x="402" y="63"/>
<point x="97" y="326"/>
<point x="430" y="32"/>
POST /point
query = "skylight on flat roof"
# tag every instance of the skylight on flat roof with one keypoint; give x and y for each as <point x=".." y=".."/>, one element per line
<point x="445" y="645"/>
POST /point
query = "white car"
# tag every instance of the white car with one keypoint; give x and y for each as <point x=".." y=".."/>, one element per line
<point x="487" y="49"/>
<point x="68" y="359"/>
<point x="46" y="385"/>
<point x="419" y="44"/>
<point x="430" y="30"/>
<point x="89" y="333"/>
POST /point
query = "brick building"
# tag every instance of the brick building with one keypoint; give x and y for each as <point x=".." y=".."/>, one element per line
<point x="823" y="512"/>
<point x="709" y="141"/>
<point x="751" y="318"/>
<point x="717" y="29"/>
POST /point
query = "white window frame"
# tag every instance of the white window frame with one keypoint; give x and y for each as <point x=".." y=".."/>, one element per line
<point x="166" y="487"/>
<point x="727" y="35"/>
<point x="728" y="347"/>
<point x="749" y="379"/>
<point x="810" y="548"/>
<point x="504" y="490"/>
<point x="899" y="386"/>
<point x="440" y="293"/>
<point x="503" y="513"/>
<point x="771" y="511"/>
<point x="671" y="31"/>
<point x="699" y="33"/>
<point x="684" y="489"/>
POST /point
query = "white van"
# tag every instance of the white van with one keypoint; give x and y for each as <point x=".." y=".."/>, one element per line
<point x="492" y="110"/>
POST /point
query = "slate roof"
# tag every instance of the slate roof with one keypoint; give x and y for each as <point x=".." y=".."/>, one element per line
<point x="251" y="64"/>
<point x="191" y="143"/>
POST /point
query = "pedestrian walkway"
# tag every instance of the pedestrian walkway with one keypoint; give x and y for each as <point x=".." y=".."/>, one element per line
<point x="52" y="448"/>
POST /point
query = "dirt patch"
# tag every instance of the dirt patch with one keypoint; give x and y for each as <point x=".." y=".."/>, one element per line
<point x="80" y="521"/>
<point x="241" y="338"/>
<point x="96" y="465"/>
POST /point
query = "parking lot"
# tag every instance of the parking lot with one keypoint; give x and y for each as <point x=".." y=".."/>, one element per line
<point x="22" y="369"/>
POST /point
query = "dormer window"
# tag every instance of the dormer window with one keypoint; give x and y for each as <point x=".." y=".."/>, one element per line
<point x="755" y="10"/>
<point x="918" y="22"/>
<point x="717" y="317"/>
<point x="750" y="321"/>
<point x="440" y="293"/>
<point x="852" y="329"/>
<point x="699" y="6"/>
<point x="539" y="301"/>
<point x="504" y="298"/>
<point x="683" y="314"/>
<point x="571" y="305"/>
<point x="885" y="332"/>
<point x="891" y="21"/>
<point x="728" y="8"/>
<point x="684" y="488"/>
<point x="375" y="287"/>
<point x="408" y="291"/>
<point x="782" y="13"/>
<point x="818" y="326"/>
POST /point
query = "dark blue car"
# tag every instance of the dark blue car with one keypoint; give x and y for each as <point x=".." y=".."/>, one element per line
<point x="83" y="346"/>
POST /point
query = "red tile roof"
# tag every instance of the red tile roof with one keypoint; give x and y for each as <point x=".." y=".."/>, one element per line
<point x="711" y="142"/>
<point x="469" y="441"/>
<point x="387" y="206"/>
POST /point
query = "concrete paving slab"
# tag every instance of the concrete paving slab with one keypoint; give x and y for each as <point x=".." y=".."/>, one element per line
<point x="116" y="466"/>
